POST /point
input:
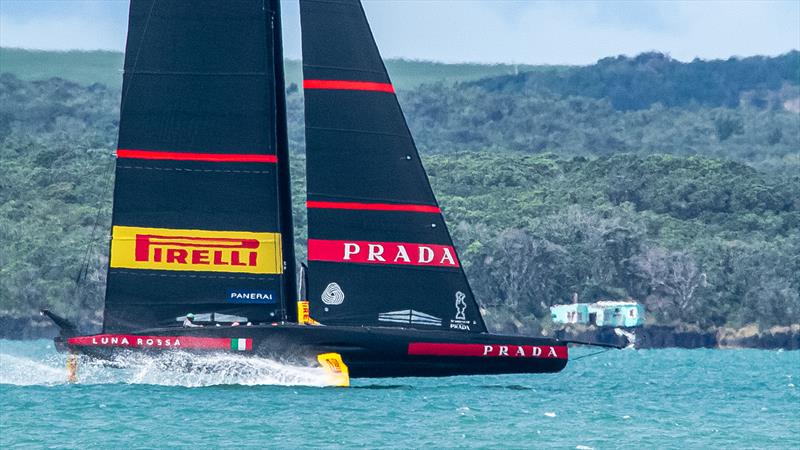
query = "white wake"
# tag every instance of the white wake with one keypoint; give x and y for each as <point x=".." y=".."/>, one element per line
<point x="170" y="369"/>
<point x="22" y="371"/>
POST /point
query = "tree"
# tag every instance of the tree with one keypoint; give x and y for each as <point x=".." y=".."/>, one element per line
<point x="727" y="125"/>
<point x="673" y="278"/>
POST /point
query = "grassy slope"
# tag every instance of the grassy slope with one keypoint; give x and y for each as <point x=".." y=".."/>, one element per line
<point x="106" y="67"/>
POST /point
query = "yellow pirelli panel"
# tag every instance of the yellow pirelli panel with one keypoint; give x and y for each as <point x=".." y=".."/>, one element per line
<point x="196" y="250"/>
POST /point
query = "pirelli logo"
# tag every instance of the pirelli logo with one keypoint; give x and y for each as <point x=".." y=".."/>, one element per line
<point x="196" y="250"/>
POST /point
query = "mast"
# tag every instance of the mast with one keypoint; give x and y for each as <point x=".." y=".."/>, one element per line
<point x="284" y="176"/>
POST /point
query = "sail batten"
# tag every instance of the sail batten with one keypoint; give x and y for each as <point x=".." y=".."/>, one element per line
<point x="373" y="206"/>
<point x="377" y="237"/>
<point x="349" y="85"/>
<point x="189" y="156"/>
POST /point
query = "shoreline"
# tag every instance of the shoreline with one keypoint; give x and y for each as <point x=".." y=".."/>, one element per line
<point x="647" y="337"/>
<point x="661" y="336"/>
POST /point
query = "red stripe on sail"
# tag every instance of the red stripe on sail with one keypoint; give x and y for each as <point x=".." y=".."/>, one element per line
<point x="488" y="351"/>
<point x="208" y="157"/>
<point x="162" y="342"/>
<point x="368" y="252"/>
<point x="345" y="85"/>
<point x="373" y="206"/>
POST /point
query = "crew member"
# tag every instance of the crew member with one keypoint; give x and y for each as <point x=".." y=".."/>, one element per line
<point x="188" y="322"/>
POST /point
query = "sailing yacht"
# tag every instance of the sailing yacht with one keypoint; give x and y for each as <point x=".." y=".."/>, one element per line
<point x="202" y="244"/>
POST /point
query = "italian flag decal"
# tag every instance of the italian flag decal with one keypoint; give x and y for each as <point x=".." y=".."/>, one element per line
<point x="241" y="344"/>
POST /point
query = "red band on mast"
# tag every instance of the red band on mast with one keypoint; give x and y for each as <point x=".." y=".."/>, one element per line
<point x="345" y="85"/>
<point x="208" y="157"/>
<point x="373" y="206"/>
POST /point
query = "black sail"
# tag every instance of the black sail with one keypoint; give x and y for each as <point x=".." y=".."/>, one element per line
<point x="379" y="250"/>
<point x="196" y="221"/>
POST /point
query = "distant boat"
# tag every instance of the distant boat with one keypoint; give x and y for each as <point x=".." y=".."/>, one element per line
<point x="202" y="230"/>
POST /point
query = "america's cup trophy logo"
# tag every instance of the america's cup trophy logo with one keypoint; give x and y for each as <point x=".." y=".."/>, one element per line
<point x="461" y="306"/>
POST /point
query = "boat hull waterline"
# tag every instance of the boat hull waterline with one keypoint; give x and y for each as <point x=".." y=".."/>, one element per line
<point x="369" y="352"/>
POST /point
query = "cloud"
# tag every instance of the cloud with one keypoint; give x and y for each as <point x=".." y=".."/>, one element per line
<point x="581" y="32"/>
<point x="537" y="32"/>
<point x="67" y="33"/>
<point x="64" y="24"/>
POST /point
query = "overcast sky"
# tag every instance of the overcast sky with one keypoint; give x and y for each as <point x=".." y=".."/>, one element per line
<point x="536" y="32"/>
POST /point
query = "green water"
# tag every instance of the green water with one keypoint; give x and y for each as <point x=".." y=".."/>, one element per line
<point x="633" y="399"/>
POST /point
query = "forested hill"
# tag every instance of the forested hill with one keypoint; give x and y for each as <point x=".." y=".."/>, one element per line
<point x="745" y="110"/>
<point x="632" y="83"/>
<point x="692" y="209"/>
<point x="105" y="67"/>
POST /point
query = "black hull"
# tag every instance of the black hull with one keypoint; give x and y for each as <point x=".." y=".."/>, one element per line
<point x="369" y="352"/>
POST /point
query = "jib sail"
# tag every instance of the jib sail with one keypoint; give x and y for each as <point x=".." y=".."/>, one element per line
<point x="196" y="222"/>
<point x="379" y="251"/>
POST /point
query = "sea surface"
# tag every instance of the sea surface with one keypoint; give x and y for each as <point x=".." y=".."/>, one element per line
<point x="669" y="398"/>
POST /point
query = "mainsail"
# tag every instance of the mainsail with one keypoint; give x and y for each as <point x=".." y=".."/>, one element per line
<point x="200" y="175"/>
<point x="379" y="251"/>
